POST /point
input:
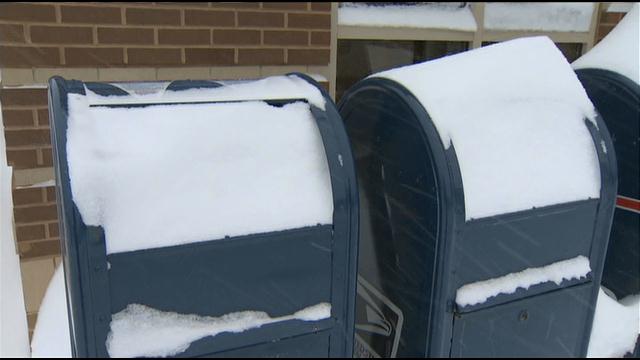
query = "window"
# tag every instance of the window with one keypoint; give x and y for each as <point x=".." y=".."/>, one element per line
<point x="571" y="51"/>
<point x="359" y="58"/>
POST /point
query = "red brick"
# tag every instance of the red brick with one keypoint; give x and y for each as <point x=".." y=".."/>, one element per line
<point x="154" y="56"/>
<point x="308" y="57"/>
<point x="236" y="37"/>
<point x="36" y="213"/>
<point x="51" y="193"/>
<point x="209" y="56"/>
<point x="321" y="38"/>
<point x="94" y="56"/>
<point x="260" y="56"/>
<point x="209" y="18"/>
<point x="27" y="196"/>
<point x="27" y="12"/>
<point x="91" y="14"/>
<point x="285" y="5"/>
<point x="43" y="117"/>
<point x="321" y="6"/>
<point x="141" y="36"/>
<point x="47" y="157"/>
<point x="27" y="137"/>
<point x="309" y="21"/>
<point x="260" y="19"/>
<point x="61" y="35"/>
<point x="22" y="159"/>
<point x="184" y="37"/>
<point x="17" y="118"/>
<point x="137" y="16"/>
<point x="12" y="33"/>
<point x="29" y="250"/>
<point x="611" y="17"/>
<point x="23" y="97"/>
<point x="26" y="57"/>
<point x="286" y="37"/>
<point x="54" y="230"/>
<point x="236" y="5"/>
<point x="30" y="232"/>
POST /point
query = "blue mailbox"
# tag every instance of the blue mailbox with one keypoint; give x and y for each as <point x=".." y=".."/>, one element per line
<point x="487" y="185"/>
<point x="205" y="218"/>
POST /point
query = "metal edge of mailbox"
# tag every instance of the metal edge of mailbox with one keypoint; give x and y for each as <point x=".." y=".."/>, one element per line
<point x="93" y="263"/>
<point x="79" y="257"/>
<point x="604" y="217"/>
<point x="594" y="80"/>
<point x="343" y="179"/>
<point x="451" y="211"/>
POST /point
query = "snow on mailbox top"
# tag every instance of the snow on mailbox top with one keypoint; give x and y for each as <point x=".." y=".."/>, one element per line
<point x="515" y="114"/>
<point x="619" y="51"/>
<point x="170" y="174"/>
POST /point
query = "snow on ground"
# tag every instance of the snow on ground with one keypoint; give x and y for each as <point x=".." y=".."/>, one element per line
<point x="431" y="16"/>
<point x="14" y="332"/>
<point x="538" y="16"/>
<point x="616" y="326"/>
<point x="169" y="175"/>
<point x="515" y="113"/>
<point x="481" y="291"/>
<point x="51" y="334"/>
<point x="619" y="51"/>
<point x="139" y="330"/>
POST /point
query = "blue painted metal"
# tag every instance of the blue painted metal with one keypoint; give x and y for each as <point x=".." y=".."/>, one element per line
<point x="416" y="249"/>
<point x="308" y="265"/>
<point x="617" y="99"/>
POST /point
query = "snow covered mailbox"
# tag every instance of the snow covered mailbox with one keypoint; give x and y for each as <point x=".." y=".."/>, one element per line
<point x="205" y="218"/>
<point x="610" y="73"/>
<point x="487" y="184"/>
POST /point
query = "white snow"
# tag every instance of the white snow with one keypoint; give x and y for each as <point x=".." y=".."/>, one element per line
<point x="269" y="88"/>
<point x="169" y="175"/>
<point x="616" y="326"/>
<point x="51" y="337"/>
<point x="619" y="51"/>
<point x="619" y="7"/>
<point x="139" y="330"/>
<point x="479" y="292"/>
<point x="514" y="112"/>
<point x="14" y="333"/>
<point x="433" y="16"/>
<point x="538" y="16"/>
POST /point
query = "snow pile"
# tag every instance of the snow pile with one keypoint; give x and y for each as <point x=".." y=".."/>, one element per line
<point x="514" y="112"/>
<point x="51" y="337"/>
<point x="139" y="330"/>
<point x="270" y="88"/>
<point x="619" y="51"/>
<point x="432" y="16"/>
<point x="168" y="175"/>
<point x="14" y="333"/>
<point x="616" y="326"/>
<point x="481" y="291"/>
<point x="538" y="16"/>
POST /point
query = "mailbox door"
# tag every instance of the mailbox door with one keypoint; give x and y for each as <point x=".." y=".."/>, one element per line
<point x="538" y="326"/>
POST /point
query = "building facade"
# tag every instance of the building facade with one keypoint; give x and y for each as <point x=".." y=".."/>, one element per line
<point x="116" y="42"/>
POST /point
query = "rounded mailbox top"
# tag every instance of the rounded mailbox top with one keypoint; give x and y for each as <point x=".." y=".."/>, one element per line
<point x="517" y="117"/>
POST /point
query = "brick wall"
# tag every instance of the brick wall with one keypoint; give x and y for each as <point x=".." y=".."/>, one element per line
<point x="128" y="42"/>
<point x="164" y="34"/>
<point x="37" y="36"/>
